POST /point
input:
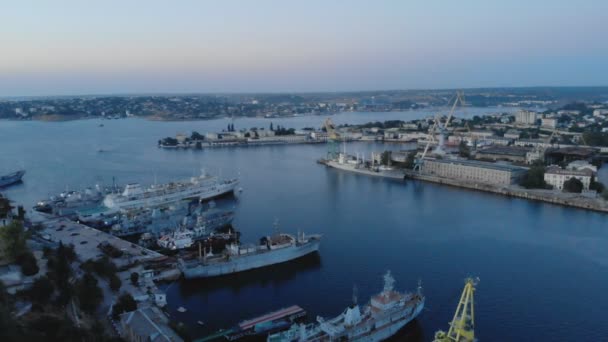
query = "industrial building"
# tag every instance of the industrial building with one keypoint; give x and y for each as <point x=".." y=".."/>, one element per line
<point x="514" y="154"/>
<point x="474" y="171"/>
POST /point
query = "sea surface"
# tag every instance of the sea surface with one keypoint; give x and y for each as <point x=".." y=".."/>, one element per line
<point x="543" y="268"/>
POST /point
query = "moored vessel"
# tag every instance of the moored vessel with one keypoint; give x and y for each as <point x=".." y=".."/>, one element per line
<point x="11" y="178"/>
<point x="236" y="258"/>
<point x="381" y="318"/>
<point x="202" y="187"/>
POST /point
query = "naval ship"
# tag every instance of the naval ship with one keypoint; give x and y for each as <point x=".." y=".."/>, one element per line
<point x="202" y="187"/>
<point x="11" y="178"/>
<point x="380" y="319"/>
<point x="272" y="250"/>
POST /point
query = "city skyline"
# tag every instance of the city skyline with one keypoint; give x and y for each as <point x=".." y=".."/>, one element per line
<point x="71" y="48"/>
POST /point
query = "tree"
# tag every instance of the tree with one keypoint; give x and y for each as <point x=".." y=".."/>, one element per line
<point x="125" y="303"/>
<point x="410" y="161"/>
<point x="42" y="290"/>
<point x="89" y="293"/>
<point x="135" y="278"/>
<point x="385" y="158"/>
<point x="596" y="186"/>
<point x="535" y="178"/>
<point x="28" y="263"/>
<point x="573" y="185"/>
<point x="464" y="150"/>
<point x="115" y="283"/>
<point x="12" y="240"/>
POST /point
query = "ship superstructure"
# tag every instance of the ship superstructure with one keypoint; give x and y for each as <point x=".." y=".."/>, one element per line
<point x="202" y="187"/>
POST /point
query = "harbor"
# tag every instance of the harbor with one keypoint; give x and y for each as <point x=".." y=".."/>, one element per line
<point x="369" y="222"/>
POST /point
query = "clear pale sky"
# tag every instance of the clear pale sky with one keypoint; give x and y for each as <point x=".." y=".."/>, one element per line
<point x="100" y="47"/>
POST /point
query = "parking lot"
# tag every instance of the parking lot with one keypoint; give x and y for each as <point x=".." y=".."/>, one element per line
<point x="86" y="241"/>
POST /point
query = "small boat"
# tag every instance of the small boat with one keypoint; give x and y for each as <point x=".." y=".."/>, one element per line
<point x="11" y="178"/>
<point x="200" y="323"/>
<point x="181" y="309"/>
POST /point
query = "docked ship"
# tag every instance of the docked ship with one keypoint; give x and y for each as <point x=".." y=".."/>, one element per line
<point x="185" y="238"/>
<point x="11" y="178"/>
<point x="381" y="318"/>
<point x="272" y="250"/>
<point x="160" y="221"/>
<point x="356" y="164"/>
<point x="72" y="201"/>
<point x="202" y="187"/>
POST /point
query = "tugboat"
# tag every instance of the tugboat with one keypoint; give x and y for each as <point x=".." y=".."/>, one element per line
<point x="380" y="319"/>
<point x="11" y="178"/>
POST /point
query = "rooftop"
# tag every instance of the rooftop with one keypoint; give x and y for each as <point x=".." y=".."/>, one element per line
<point x="480" y="164"/>
<point x="506" y="150"/>
<point x="556" y="170"/>
<point x="149" y="322"/>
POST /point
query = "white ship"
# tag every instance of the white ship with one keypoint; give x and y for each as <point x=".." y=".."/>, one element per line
<point x="202" y="187"/>
<point x="380" y="319"/>
<point x="357" y="164"/>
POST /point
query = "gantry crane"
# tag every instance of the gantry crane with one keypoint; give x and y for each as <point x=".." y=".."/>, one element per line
<point x="333" y="139"/>
<point x="462" y="327"/>
<point x="441" y="128"/>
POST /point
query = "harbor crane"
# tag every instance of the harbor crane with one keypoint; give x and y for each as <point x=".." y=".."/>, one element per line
<point x="462" y="327"/>
<point x="333" y="139"/>
<point x="442" y="129"/>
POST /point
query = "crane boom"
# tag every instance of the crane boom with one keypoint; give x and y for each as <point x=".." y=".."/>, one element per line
<point x="462" y="327"/>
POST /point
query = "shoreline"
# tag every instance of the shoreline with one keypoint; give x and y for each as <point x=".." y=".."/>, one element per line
<point x="563" y="199"/>
<point x="547" y="196"/>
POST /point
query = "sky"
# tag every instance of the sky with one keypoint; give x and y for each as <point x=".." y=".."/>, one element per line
<point x="72" y="47"/>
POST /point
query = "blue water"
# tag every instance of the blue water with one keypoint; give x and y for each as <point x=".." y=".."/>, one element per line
<point x="543" y="268"/>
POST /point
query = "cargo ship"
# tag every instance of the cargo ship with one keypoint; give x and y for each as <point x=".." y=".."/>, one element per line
<point x="202" y="187"/>
<point x="272" y="250"/>
<point x="11" y="178"/>
<point x="381" y="318"/>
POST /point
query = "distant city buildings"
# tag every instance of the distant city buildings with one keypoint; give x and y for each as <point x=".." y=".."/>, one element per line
<point x="526" y="117"/>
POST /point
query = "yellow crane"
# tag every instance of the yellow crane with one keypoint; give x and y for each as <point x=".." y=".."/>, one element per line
<point x="462" y="327"/>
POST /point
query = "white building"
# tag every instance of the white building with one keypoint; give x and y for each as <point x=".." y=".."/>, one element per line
<point x="600" y="112"/>
<point x="512" y="134"/>
<point x="556" y="176"/>
<point x="548" y="123"/>
<point x="526" y="117"/>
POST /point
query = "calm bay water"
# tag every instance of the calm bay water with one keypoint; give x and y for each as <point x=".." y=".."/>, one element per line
<point x="543" y="268"/>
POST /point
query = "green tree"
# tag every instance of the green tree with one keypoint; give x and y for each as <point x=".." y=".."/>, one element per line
<point x="42" y="290"/>
<point x="385" y="158"/>
<point x="573" y="185"/>
<point x="12" y="240"/>
<point x="535" y="177"/>
<point x="115" y="283"/>
<point x="88" y="292"/>
<point x="410" y="161"/>
<point x="135" y="278"/>
<point x="464" y="150"/>
<point x="125" y="303"/>
<point x="28" y="263"/>
<point x="596" y="186"/>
